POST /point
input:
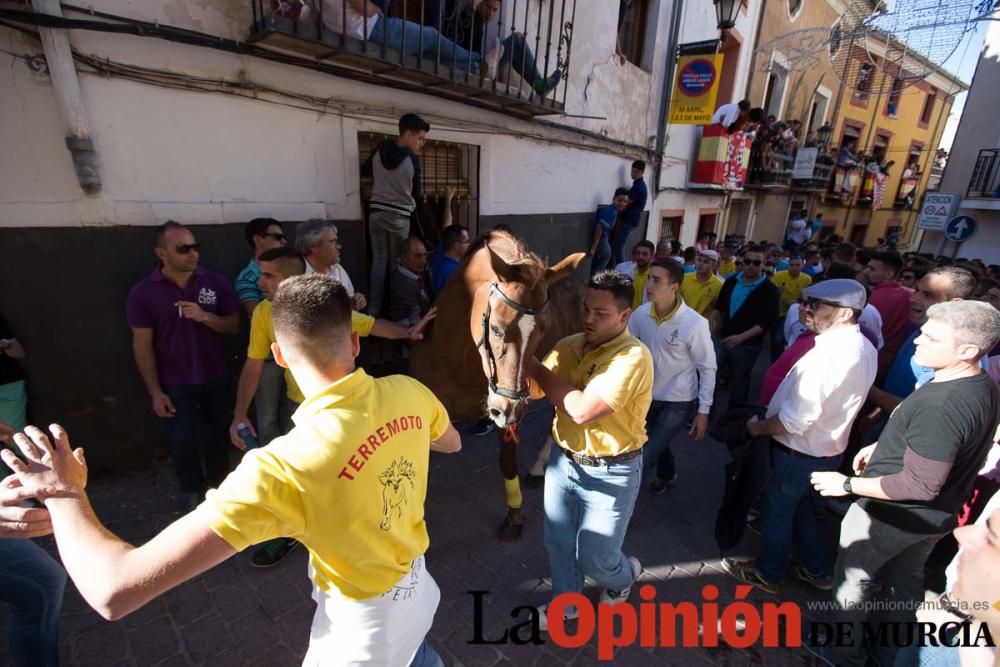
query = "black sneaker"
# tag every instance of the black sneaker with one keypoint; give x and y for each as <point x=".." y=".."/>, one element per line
<point x="823" y="582"/>
<point x="272" y="552"/>
<point x="745" y="571"/>
<point x="484" y="426"/>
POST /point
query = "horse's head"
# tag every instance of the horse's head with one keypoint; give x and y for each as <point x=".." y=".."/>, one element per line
<point x="509" y="316"/>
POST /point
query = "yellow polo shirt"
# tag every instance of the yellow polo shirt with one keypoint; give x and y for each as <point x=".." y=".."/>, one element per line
<point x="639" y="284"/>
<point x="620" y="372"/>
<point x="262" y="335"/>
<point x="348" y="482"/>
<point x="699" y="296"/>
<point x="790" y="287"/>
<point x="726" y="269"/>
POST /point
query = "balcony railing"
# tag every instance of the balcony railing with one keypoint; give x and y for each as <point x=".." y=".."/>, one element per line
<point x="414" y="44"/>
<point x="985" y="181"/>
<point x="907" y="193"/>
<point x="769" y="168"/>
<point x="821" y="173"/>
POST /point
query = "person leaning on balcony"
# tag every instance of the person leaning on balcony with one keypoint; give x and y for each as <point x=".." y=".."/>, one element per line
<point x="731" y="116"/>
<point x="472" y="25"/>
<point x="365" y="19"/>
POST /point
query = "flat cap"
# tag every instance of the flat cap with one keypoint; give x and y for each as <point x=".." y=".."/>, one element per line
<point x="711" y="254"/>
<point x="844" y="292"/>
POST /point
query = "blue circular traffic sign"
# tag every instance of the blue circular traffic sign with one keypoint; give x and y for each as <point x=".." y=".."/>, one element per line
<point x="960" y="228"/>
<point x="697" y="77"/>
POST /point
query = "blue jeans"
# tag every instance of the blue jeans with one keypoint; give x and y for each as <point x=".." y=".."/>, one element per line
<point x="426" y="656"/>
<point x="270" y="403"/>
<point x="663" y="421"/>
<point x="405" y="36"/>
<point x="32" y="583"/>
<point x="587" y="510"/>
<point x="602" y="256"/>
<point x="741" y="362"/>
<point x="517" y="53"/>
<point x="789" y="518"/>
<point x="199" y="467"/>
<point x="620" y="241"/>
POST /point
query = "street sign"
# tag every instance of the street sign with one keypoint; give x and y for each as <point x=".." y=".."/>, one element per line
<point x="937" y="209"/>
<point x="960" y="229"/>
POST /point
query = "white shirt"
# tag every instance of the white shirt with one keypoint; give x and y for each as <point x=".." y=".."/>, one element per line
<point x="339" y="274"/>
<point x="798" y="231"/>
<point x="820" y="397"/>
<point x="726" y="115"/>
<point x="628" y="268"/>
<point x="352" y="26"/>
<point x="870" y="319"/>
<point x="683" y="355"/>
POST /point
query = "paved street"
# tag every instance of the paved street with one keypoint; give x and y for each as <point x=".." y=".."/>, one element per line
<point x="236" y="615"/>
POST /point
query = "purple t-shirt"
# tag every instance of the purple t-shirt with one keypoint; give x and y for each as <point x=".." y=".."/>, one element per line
<point x="187" y="352"/>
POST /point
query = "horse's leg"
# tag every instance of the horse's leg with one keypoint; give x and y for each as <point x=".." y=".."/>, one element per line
<point x="514" y="521"/>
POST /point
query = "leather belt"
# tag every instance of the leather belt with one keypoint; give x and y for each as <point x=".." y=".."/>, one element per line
<point x="595" y="461"/>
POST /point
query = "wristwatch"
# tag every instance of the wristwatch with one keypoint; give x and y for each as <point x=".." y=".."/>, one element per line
<point x="847" y="485"/>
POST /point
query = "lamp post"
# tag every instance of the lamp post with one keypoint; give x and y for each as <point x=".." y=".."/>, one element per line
<point x="725" y="12"/>
<point x="824" y="133"/>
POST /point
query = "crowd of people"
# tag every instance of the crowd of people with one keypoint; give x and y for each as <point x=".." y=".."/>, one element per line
<point x="881" y="389"/>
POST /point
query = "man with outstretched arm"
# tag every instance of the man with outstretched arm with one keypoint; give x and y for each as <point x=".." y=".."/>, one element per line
<point x="349" y="482"/>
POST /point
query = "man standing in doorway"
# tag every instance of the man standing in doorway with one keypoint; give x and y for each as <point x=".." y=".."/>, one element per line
<point x="601" y="383"/>
<point x="394" y="168"/>
<point x="700" y="289"/>
<point x="746" y="310"/>
<point x="179" y="317"/>
<point x="631" y="217"/>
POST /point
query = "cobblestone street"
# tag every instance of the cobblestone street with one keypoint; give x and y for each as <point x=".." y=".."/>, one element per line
<point x="237" y="615"/>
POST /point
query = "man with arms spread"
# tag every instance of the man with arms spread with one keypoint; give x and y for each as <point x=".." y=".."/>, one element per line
<point x="601" y="383"/>
<point x="349" y="481"/>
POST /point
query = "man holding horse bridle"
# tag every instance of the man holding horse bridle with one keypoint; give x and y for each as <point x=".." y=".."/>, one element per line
<point x="601" y="383"/>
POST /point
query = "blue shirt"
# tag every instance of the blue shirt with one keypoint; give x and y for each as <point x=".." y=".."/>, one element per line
<point x="812" y="271"/>
<point x="247" y="288"/>
<point x="782" y="265"/>
<point x="441" y="269"/>
<point x="815" y="226"/>
<point x="741" y="292"/>
<point x="901" y="380"/>
<point x="689" y="269"/>
<point x="606" y="217"/>
<point x="632" y="216"/>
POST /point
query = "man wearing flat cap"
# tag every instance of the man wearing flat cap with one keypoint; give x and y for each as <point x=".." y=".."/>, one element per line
<point x="808" y="420"/>
<point x="700" y="290"/>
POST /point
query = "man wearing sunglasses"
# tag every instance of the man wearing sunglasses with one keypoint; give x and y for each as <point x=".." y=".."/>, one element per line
<point x="179" y="316"/>
<point x="262" y="234"/>
<point x="809" y="420"/>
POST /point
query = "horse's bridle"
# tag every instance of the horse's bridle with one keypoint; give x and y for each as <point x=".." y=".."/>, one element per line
<point x="484" y="341"/>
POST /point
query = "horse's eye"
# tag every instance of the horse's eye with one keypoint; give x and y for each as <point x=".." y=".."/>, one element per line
<point x="497" y="331"/>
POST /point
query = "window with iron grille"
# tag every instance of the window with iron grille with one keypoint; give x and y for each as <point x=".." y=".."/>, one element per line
<point x="444" y="166"/>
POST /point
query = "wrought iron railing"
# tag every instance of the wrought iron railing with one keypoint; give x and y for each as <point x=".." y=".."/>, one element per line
<point x="444" y="44"/>
<point x="985" y="181"/>
<point x="769" y="167"/>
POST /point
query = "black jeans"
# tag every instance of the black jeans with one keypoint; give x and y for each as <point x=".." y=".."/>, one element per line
<point x="742" y="359"/>
<point x="198" y="467"/>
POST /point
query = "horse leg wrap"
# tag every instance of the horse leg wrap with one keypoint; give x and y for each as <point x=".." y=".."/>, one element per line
<point x="513" y="489"/>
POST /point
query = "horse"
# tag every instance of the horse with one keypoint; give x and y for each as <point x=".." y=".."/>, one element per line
<point x="500" y="306"/>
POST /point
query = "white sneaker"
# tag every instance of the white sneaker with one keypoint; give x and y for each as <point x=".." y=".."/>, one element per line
<point x="491" y="60"/>
<point x="609" y="596"/>
<point x="543" y="617"/>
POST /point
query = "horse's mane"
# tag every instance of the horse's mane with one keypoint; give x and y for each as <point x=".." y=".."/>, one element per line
<point x="512" y="251"/>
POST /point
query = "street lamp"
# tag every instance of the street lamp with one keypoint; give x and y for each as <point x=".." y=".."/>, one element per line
<point x="824" y="133"/>
<point x="725" y="11"/>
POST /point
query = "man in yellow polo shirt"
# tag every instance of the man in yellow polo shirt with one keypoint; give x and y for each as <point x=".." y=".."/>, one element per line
<point x="276" y="266"/>
<point x="349" y="481"/>
<point x="601" y="382"/>
<point x="700" y="290"/>
<point x="790" y="283"/>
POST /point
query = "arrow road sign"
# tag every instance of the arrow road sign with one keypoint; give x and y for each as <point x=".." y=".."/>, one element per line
<point x="960" y="228"/>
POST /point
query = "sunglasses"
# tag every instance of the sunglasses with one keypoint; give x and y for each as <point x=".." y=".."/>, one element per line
<point x="814" y="304"/>
<point x="277" y="236"/>
<point x="185" y="248"/>
<point x="753" y="262"/>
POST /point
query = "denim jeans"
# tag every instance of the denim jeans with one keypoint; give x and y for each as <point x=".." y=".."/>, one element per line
<point x="199" y="467"/>
<point x="587" y="510"/>
<point x="788" y="515"/>
<point x="741" y="362"/>
<point x="426" y="657"/>
<point x="388" y="232"/>
<point x="405" y="36"/>
<point x="619" y="243"/>
<point x="663" y="421"/>
<point x="269" y="402"/>
<point x="517" y="53"/>
<point x="875" y="555"/>
<point x="602" y="256"/>
<point x="32" y="583"/>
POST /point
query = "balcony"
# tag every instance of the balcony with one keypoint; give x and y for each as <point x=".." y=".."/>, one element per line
<point x="906" y="195"/>
<point x="415" y="55"/>
<point x="985" y="181"/>
<point x="769" y="169"/>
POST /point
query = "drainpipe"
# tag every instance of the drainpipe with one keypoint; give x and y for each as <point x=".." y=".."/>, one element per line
<point x="62" y="71"/>
<point x="668" y="87"/>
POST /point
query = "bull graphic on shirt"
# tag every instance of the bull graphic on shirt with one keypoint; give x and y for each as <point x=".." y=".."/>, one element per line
<point x="394" y="489"/>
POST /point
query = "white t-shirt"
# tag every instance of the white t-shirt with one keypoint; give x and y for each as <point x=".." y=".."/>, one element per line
<point x="726" y="115"/>
<point x="352" y="26"/>
<point x="798" y="231"/>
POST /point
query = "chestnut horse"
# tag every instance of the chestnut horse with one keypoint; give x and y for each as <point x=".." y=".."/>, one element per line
<point x="499" y="307"/>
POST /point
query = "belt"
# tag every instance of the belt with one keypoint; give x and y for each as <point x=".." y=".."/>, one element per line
<point x="796" y="453"/>
<point x="594" y="461"/>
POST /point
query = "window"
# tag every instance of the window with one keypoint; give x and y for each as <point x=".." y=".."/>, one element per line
<point x="836" y="39"/>
<point x="670" y="228"/>
<point x="706" y="223"/>
<point x="928" y="110"/>
<point x="892" y="105"/>
<point x="864" y="84"/>
<point x="632" y="29"/>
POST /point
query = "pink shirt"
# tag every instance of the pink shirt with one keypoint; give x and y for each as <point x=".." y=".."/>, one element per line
<point x="892" y="301"/>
